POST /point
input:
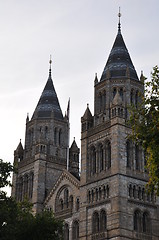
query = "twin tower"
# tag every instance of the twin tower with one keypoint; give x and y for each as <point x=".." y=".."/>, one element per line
<point x="108" y="200"/>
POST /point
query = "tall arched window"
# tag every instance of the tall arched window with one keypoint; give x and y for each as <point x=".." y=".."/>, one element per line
<point x="137" y="157"/>
<point x="100" y="102"/>
<point x="128" y="154"/>
<point x="55" y="136"/>
<point x="60" y="136"/>
<point x="93" y="157"/>
<point x="31" y="178"/>
<point x="146" y="222"/>
<point x="132" y="97"/>
<point x="108" y="154"/>
<point x="101" y="157"/>
<point x="66" y="200"/>
<point x="75" y="230"/>
<point x="46" y="132"/>
<point x="95" y="222"/>
<point x="121" y="93"/>
<point x="104" y="101"/>
<point x="136" y="98"/>
<point x="114" y="92"/>
<point x="26" y="186"/>
<point x="66" y="231"/>
<point x="137" y="221"/>
<point x="103" y="220"/>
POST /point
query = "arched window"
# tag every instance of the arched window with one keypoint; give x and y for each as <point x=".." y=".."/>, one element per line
<point x="66" y="200"/>
<point x="103" y="220"/>
<point x="78" y="204"/>
<point x="93" y="157"/>
<point x="46" y="132"/>
<point x="132" y="97"/>
<point x="66" y="231"/>
<point x="128" y="154"/>
<point x="136" y="98"/>
<point x="114" y="92"/>
<point x="25" y="186"/>
<point x="137" y="221"/>
<point x="55" y="136"/>
<point x="75" y="230"/>
<point x="104" y="100"/>
<point x="71" y="201"/>
<point x="137" y="157"/>
<point x="146" y="222"/>
<point x="31" y="178"/>
<point x="101" y="157"/>
<point x="95" y="223"/>
<point x="121" y="93"/>
<point x="60" y="136"/>
<point x="108" y="154"/>
<point x="100" y="102"/>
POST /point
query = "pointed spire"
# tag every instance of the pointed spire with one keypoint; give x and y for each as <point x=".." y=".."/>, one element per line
<point x="50" y="62"/>
<point x="96" y="79"/>
<point x="119" y="59"/>
<point x="119" y="24"/>
<point x="48" y="105"/>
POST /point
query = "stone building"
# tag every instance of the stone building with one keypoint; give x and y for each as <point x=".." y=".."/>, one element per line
<point x="108" y="199"/>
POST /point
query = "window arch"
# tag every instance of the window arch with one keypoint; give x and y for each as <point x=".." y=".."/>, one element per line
<point x="137" y="221"/>
<point x="77" y="204"/>
<point x="137" y="157"/>
<point x="146" y="222"/>
<point x="101" y="157"/>
<point x="132" y="97"/>
<point x="66" y="231"/>
<point x="93" y="157"/>
<point x="121" y="93"/>
<point x="66" y="197"/>
<point x="128" y="154"/>
<point x="103" y="220"/>
<point x="60" y="136"/>
<point x="55" y="136"/>
<point x="95" y="222"/>
<point x="75" y="230"/>
<point x="108" y="154"/>
<point x="114" y="92"/>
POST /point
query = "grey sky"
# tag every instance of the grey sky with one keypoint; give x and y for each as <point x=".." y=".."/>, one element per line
<point x="79" y="34"/>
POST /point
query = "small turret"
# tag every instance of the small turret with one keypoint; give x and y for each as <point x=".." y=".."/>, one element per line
<point x="18" y="153"/>
<point x="87" y="119"/>
<point x="73" y="167"/>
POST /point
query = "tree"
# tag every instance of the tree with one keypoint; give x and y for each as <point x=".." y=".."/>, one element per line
<point x="17" y="220"/>
<point x="145" y="127"/>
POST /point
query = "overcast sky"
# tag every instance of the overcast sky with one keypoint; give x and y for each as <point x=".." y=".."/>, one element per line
<point x="79" y="35"/>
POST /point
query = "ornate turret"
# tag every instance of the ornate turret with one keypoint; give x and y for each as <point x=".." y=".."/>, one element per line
<point x="74" y="159"/>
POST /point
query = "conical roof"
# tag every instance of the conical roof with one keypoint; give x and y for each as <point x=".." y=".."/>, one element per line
<point x="19" y="149"/>
<point x="74" y="146"/>
<point x="119" y="60"/>
<point x="48" y="104"/>
<point x="87" y="115"/>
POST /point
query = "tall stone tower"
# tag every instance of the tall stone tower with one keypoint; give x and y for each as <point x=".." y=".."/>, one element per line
<point x="44" y="156"/>
<point x="114" y="203"/>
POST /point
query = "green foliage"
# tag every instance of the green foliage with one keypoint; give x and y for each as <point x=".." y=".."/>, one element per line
<point x="145" y="127"/>
<point x="5" y="173"/>
<point x="17" y="221"/>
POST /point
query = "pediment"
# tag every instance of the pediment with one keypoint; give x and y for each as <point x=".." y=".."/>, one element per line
<point x="64" y="177"/>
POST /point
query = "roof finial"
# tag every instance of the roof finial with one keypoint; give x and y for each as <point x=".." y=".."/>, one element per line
<point x="50" y="62"/>
<point x="119" y="24"/>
